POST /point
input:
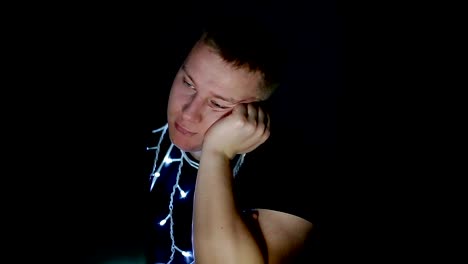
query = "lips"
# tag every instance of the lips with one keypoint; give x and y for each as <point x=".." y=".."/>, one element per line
<point x="182" y="130"/>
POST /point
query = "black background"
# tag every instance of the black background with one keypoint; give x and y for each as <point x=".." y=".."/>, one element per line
<point x="95" y="83"/>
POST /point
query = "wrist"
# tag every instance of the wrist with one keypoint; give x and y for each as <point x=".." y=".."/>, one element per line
<point x="215" y="153"/>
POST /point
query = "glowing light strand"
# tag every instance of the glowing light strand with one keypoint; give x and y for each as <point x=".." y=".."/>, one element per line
<point x="171" y="208"/>
<point x="157" y="149"/>
<point x="155" y="174"/>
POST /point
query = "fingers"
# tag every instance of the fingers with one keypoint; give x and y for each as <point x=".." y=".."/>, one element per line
<point x="255" y="116"/>
<point x="239" y="131"/>
<point x="263" y="120"/>
<point x="266" y="131"/>
<point x="240" y="109"/>
<point x="268" y="122"/>
<point x="261" y="116"/>
<point x="259" y="121"/>
<point x="252" y="114"/>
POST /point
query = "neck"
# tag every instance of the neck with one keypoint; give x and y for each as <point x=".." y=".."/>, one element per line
<point x="196" y="155"/>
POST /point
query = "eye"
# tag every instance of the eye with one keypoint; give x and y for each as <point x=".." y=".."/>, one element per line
<point x="216" y="105"/>
<point x="187" y="84"/>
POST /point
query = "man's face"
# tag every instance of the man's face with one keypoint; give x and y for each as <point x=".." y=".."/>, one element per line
<point x="205" y="89"/>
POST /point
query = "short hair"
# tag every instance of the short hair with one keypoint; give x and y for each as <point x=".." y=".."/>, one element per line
<point x="245" y="42"/>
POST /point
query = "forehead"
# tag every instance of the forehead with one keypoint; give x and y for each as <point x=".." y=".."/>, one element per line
<point x="211" y="73"/>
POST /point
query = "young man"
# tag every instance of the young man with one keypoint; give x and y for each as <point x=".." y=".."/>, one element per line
<point x="214" y="118"/>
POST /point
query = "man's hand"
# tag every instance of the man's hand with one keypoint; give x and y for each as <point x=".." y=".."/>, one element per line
<point x="241" y="131"/>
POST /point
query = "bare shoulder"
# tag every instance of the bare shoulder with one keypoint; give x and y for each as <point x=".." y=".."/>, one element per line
<point x="284" y="234"/>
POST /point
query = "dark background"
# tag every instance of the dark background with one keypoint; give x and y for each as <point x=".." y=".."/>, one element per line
<point x="97" y="84"/>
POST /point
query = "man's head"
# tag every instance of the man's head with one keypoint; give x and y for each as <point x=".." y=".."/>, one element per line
<point x="234" y="62"/>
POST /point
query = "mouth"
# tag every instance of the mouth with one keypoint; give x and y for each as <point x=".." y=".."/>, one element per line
<point x="182" y="130"/>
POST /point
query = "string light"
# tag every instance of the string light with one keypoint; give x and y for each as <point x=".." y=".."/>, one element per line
<point x="156" y="173"/>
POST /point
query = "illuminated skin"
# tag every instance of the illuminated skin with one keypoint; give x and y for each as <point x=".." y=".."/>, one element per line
<point x="198" y="118"/>
<point x="205" y="89"/>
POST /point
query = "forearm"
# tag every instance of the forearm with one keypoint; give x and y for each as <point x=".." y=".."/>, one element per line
<point x="220" y="234"/>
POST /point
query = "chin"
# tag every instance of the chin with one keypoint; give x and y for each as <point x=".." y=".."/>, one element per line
<point x="183" y="143"/>
<point x="186" y="147"/>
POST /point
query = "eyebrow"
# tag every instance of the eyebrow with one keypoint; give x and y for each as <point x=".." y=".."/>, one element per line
<point x="230" y="100"/>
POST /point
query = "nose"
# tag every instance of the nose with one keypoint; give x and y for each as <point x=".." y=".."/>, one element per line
<point x="191" y="111"/>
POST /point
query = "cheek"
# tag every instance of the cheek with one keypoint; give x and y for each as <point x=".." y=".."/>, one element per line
<point x="213" y="117"/>
<point x="177" y="98"/>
